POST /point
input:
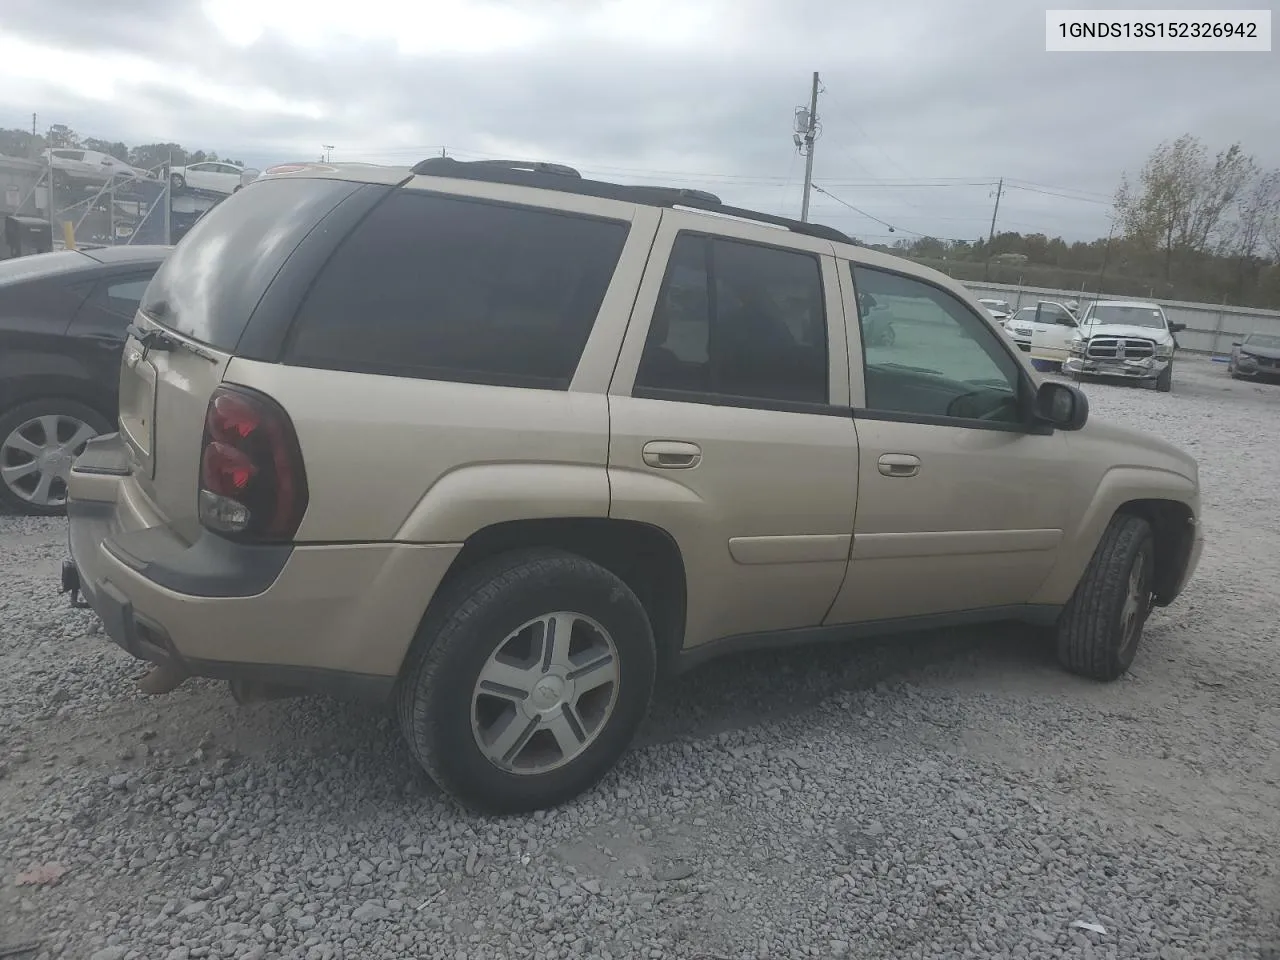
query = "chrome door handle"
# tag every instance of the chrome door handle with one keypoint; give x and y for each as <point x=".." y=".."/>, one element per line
<point x="899" y="465"/>
<point x="671" y="454"/>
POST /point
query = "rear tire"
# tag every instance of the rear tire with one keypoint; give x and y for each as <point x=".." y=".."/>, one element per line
<point x="1164" y="382"/>
<point x="25" y="442"/>
<point x="456" y="728"/>
<point x="1101" y="627"/>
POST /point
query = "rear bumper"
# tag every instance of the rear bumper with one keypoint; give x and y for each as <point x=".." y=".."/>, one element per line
<point x="333" y="618"/>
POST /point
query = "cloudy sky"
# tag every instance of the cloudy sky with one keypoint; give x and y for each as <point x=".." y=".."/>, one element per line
<point x="924" y="104"/>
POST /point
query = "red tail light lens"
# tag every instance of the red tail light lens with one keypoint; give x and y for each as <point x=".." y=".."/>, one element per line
<point x="252" y="484"/>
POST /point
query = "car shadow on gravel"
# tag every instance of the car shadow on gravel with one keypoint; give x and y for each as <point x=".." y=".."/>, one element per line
<point x="731" y="693"/>
<point x="746" y="689"/>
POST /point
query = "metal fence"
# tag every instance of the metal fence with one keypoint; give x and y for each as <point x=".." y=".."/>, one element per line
<point x="89" y="208"/>
<point x="1211" y="328"/>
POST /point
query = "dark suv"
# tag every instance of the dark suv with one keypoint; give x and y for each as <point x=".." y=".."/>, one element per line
<point x="62" y="329"/>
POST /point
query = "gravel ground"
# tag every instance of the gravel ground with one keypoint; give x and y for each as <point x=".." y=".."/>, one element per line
<point x="943" y="795"/>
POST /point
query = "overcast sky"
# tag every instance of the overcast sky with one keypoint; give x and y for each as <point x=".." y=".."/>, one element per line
<point x="695" y="92"/>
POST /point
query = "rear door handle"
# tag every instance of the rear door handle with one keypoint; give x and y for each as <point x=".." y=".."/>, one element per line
<point x="899" y="465"/>
<point x="671" y="454"/>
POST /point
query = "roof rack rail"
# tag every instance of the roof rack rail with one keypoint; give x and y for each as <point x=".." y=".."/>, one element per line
<point x="556" y="176"/>
<point x="530" y="166"/>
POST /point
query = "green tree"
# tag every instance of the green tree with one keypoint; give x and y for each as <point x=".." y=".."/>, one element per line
<point x="151" y="155"/>
<point x="113" y="148"/>
<point x="1181" y="198"/>
<point x="20" y="143"/>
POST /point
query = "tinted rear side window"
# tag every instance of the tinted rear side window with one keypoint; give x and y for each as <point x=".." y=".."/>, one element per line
<point x="454" y="289"/>
<point x="210" y="284"/>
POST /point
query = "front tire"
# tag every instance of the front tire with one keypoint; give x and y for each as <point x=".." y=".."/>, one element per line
<point x="1100" y="629"/>
<point x="527" y="681"/>
<point x="1164" y="382"/>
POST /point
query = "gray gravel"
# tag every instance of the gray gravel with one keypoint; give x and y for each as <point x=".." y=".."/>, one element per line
<point x="944" y="795"/>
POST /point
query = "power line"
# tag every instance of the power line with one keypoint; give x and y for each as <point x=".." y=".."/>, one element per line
<point x="852" y="118"/>
<point x="1045" y="186"/>
<point x="883" y="223"/>
<point x="1060" y="196"/>
<point x="693" y="176"/>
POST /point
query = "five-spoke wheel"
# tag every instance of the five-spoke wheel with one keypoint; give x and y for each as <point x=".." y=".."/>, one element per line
<point x="527" y="680"/>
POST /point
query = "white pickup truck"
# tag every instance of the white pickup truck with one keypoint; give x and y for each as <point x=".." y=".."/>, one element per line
<point x="1125" y="338"/>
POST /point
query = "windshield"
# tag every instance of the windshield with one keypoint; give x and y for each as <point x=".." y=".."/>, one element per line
<point x="1129" y="316"/>
<point x="1026" y="315"/>
<point x="1263" y="340"/>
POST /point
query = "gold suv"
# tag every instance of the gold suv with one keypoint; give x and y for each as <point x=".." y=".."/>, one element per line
<point x="504" y="444"/>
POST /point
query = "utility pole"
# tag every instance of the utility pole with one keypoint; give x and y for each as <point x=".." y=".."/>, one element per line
<point x="1106" y="256"/>
<point x="167" y="196"/>
<point x="991" y="234"/>
<point x="804" y="141"/>
<point x="49" y="193"/>
<point x="35" y="150"/>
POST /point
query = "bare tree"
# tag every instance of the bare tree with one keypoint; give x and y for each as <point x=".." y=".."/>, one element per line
<point x="1244" y="235"/>
<point x="1257" y="212"/>
<point x="1271" y="229"/>
<point x="1181" y="197"/>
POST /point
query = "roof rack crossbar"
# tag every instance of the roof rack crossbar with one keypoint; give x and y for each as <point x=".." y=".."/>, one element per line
<point x="555" y="176"/>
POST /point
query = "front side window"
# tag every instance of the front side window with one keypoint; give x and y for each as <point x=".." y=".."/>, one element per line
<point x="943" y="359"/>
<point x="738" y="320"/>
<point x="446" y="288"/>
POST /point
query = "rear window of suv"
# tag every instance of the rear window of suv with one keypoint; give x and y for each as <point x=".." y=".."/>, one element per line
<point x="449" y="288"/>
<point x="213" y="280"/>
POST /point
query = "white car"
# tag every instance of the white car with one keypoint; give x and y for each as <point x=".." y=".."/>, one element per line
<point x="999" y="309"/>
<point x="1048" y="322"/>
<point x="91" y="163"/>
<point x="1125" y="338"/>
<point x="212" y="176"/>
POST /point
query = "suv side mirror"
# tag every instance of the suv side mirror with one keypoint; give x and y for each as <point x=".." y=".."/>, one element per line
<point x="1237" y="343"/>
<point x="1177" y="327"/>
<point x="1062" y="405"/>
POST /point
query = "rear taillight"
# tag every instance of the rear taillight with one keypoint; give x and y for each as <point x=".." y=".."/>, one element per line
<point x="252" y="485"/>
